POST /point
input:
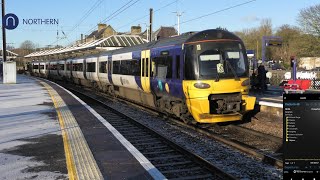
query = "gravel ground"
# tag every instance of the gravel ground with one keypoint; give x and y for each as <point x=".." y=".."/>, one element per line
<point x="266" y="125"/>
<point x="228" y="159"/>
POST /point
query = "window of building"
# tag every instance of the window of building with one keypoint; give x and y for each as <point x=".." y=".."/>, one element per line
<point x="91" y="67"/>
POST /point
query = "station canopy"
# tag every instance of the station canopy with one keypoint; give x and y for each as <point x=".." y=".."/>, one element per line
<point x="9" y="54"/>
<point x="103" y="44"/>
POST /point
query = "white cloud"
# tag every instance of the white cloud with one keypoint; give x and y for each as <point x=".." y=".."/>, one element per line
<point x="250" y="18"/>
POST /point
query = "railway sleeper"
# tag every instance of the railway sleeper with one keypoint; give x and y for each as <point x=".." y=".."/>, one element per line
<point x="166" y="157"/>
<point x="175" y="164"/>
<point x="190" y="170"/>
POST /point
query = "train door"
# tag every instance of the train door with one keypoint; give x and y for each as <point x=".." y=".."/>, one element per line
<point x="145" y="70"/>
<point x="84" y="68"/>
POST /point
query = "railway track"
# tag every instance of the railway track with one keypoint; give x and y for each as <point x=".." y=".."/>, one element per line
<point x="172" y="160"/>
<point x="266" y="148"/>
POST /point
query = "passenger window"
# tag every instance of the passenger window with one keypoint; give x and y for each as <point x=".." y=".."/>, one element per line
<point x="103" y="67"/>
<point x="116" y="67"/>
<point x="164" y="67"/>
<point x="91" y="67"/>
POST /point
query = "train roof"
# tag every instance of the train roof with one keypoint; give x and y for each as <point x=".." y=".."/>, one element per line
<point x="211" y="34"/>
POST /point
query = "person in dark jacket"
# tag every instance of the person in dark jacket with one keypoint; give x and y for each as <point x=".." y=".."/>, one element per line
<point x="262" y="77"/>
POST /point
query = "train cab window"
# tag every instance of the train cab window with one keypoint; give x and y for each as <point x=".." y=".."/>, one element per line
<point x="103" y="67"/>
<point x="163" y="67"/>
<point x="41" y="66"/>
<point x="178" y="66"/>
<point x="91" y="67"/>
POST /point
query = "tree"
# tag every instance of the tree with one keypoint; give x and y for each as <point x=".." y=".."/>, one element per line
<point x="291" y="37"/>
<point x="27" y="47"/>
<point x="309" y="19"/>
<point x="252" y="37"/>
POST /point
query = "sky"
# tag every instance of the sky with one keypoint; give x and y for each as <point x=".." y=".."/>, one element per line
<point x="78" y="17"/>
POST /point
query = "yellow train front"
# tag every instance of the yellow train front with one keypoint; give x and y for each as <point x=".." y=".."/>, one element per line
<point x="216" y="82"/>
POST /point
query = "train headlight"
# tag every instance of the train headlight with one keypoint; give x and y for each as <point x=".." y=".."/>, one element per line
<point x="245" y="82"/>
<point x="202" y="85"/>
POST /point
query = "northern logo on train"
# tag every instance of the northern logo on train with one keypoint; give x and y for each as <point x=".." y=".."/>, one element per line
<point x="10" y="21"/>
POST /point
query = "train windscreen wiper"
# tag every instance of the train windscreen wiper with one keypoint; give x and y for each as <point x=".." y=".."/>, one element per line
<point x="232" y="70"/>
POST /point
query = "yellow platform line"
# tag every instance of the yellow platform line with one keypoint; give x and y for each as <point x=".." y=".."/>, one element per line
<point x="80" y="161"/>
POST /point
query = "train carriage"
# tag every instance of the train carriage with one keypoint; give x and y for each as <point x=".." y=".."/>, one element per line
<point x="42" y="69"/>
<point x="68" y="69"/>
<point x="204" y="75"/>
<point x="35" y="68"/>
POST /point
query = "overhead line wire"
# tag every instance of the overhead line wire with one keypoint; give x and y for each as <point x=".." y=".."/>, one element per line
<point x="225" y="9"/>
<point x="115" y="13"/>
<point x="142" y="17"/>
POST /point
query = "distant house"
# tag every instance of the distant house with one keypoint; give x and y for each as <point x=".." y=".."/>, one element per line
<point x="164" y="32"/>
<point x="103" y="31"/>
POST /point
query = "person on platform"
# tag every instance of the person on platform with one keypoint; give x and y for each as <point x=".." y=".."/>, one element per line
<point x="262" y="77"/>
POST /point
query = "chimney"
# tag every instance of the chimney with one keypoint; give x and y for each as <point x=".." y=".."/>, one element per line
<point x="136" y="29"/>
<point x="101" y="26"/>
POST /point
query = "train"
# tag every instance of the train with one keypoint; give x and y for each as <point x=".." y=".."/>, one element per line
<point x="199" y="77"/>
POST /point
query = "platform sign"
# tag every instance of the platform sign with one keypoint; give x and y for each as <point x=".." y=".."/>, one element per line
<point x="274" y="42"/>
<point x="270" y="41"/>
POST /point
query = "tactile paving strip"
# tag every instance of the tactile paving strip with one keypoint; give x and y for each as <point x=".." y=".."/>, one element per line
<point x="80" y="161"/>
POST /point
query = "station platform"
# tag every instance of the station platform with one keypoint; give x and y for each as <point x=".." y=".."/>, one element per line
<point x="46" y="132"/>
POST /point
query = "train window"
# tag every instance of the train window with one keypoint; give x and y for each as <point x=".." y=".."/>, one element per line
<point x="147" y="67"/>
<point x="35" y="66"/>
<point x="164" y="67"/>
<point x="69" y="66"/>
<point x="103" y="67"/>
<point x="53" y="67"/>
<point x="116" y="67"/>
<point x="91" y="67"/>
<point x="47" y="66"/>
<point x="143" y="67"/>
<point x="61" y="66"/>
<point x="125" y="67"/>
<point x="178" y="66"/>
<point x="78" y="67"/>
<point x="41" y="66"/>
<point x="135" y="67"/>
